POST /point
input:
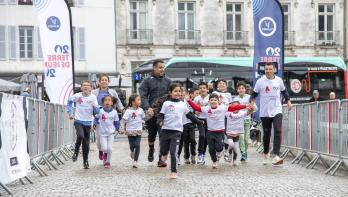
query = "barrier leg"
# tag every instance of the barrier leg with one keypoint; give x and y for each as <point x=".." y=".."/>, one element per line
<point x="55" y="158"/>
<point x="29" y="180"/>
<point x="6" y="189"/>
<point x="285" y="153"/>
<point x="60" y="153"/>
<point x="313" y="162"/>
<point x="332" y="167"/>
<point x="21" y="180"/>
<point x="38" y="168"/>
<point x="336" y="168"/>
<point x="297" y="157"/>
<point x="48" y="163"/>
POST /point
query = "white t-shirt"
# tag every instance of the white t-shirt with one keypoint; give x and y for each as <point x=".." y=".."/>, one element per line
<point x="224" y="97"/>
<point x="269" y="91"/>
<point x="235" y="122"/>
<point x="199" y="100"/>
<point x="134" y="119"/>
<point x="106" y="122"/>
<point x="185" y="120"/>
<point x="84" y="106"/>
<point x="245" y="101"/>
<point x="215" y="117"/>
<point x="173" y="115"/>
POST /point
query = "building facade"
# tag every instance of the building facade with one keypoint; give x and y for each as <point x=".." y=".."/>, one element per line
<point x="93" y="30"/>
<point x="148" y="29"/>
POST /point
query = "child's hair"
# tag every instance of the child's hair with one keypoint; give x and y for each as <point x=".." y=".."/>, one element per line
<point x="235" y="101"/>
<point x="241" y="83"/>
<point x="103" y="75"/>
<point x="221" y="80"/>
<point x="203" y="84"/>
<point x="192" y="90"/>
<point x="113" y="99"/>
<point x="86" y="81"/>
<point x="131" y="99"/>
<point x="173" y="86"/>
<point x="214" y="96"/>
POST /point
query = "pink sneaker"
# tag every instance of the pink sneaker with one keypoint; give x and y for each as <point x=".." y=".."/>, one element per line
<point x="107" y="165"/>
<point x="105" y="156"/>
<point x="101" y="157"/>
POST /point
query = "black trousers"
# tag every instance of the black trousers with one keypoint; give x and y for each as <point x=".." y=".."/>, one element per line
<point x="189" y="140"/>
<point x="216" y="143"/>
<point x="169" y="142"/>
<point x="83" y="136"/>
<point x="202" y="140"/>
<point x="152" y="129"/>
<point x="267" y="130"/>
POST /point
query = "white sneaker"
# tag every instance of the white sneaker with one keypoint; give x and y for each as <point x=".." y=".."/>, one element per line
<point x="215" y="165"/>
<point x="135" y="164"/>
<point x="277" y="161"/>
<point x="266" y="158"/>
<point x="219" y="155"/>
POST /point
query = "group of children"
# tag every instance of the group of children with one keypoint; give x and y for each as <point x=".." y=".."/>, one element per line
<point x="219" y="118"/>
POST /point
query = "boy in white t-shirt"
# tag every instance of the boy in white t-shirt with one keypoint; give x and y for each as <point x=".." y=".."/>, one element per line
<point x="216" y="124"/>
<point x="235" y="128"/>
<point x="86" y="105"/>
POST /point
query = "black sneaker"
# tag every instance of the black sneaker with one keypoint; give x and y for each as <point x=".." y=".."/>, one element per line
<point x="161" y="164"/>
<point x="151" y="152"/>
<point x="86" y="165"/>
<point x="74" y="157"/>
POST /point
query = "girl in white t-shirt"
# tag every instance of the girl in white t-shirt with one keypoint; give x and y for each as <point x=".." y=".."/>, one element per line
<point x="170" y="120"/>
<point x="234" y="128"/>
<point x="132" y="125"/>
<point x="107" y="124"/>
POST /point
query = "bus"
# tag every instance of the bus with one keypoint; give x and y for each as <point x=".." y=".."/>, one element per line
<point x="302" y="75"/>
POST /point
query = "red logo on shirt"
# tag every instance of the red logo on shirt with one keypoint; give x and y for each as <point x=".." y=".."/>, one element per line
<point x="79" y="100"/>
<point x="134" y="115"/>
<point x="171" y="107"/>
<point x="103" y="117"/>
<point x="210" y="112"/>
<point x="267" y="89"/>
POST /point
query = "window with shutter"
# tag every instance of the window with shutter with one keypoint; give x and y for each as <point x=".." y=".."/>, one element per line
<point x="2" y="42"/>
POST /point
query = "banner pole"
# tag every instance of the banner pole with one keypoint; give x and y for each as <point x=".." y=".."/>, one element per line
<point x="72" y="45"/>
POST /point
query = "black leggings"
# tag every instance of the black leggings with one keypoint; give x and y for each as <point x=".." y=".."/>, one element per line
<point x="83" y="136"/>
<point x="189" y="140"/>
<point x="202" y="140"/>
<point x="267" y="130"/>
<point x="134" y="145"/>
<point x="216" y="143"/>
<point x="169" y="142"/>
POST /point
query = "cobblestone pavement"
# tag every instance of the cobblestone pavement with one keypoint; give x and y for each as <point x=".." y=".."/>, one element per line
<point x="250" y="179"/>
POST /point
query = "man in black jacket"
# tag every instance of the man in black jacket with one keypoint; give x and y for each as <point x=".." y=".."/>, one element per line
<point x="315" y="97"/>
<point x="152" y="88"/>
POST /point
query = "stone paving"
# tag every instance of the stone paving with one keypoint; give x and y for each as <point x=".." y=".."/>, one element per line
<point x="250" y="179"/>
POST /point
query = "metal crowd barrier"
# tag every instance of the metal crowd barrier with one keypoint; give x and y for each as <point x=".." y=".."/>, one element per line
<point x="319" y="128"/>
<point x="50" y="135"/>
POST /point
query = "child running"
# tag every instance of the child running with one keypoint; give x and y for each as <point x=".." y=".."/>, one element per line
<point x="85" y="105"/>
<point x="202" y="100"/>
<point x="170" y="120"/>
<point x="235" y="128"/>
<point x="132" y="125"/>
<point x="107" y="123"/>
<point x="216" y="124"/>
<point x="244" y="98"/>
<point x="188" y="140"/>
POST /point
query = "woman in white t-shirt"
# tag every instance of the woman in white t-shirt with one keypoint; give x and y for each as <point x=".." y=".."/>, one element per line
<point x="132" y="125"/>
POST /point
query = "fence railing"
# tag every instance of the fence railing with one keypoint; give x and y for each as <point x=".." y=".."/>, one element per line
<point x="50" y="134"/>
<point x="319" y="128"/>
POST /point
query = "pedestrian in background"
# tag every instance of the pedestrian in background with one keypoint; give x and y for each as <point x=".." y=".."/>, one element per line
<point x="316" y="97"/>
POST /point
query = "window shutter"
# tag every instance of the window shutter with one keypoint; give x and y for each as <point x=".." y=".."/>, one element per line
<point x="13" y="42"/>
